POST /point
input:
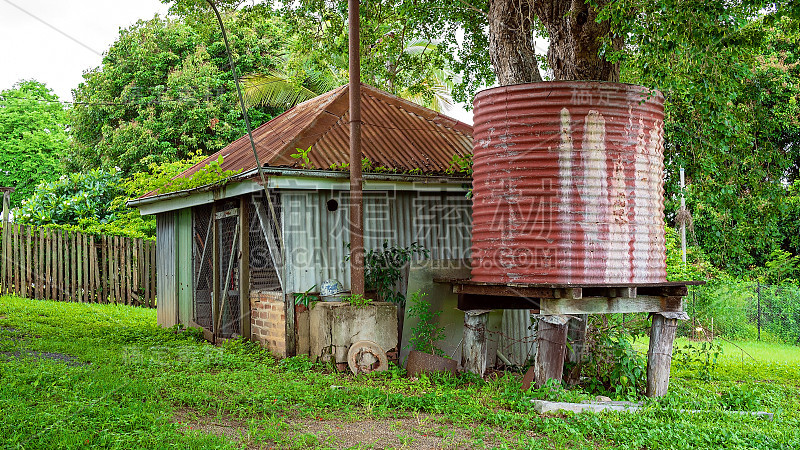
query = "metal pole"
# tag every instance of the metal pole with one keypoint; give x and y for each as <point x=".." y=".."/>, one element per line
<point x="758" y="317"/>
<point x="683" y="220"/>
<point x="356" y="193"/>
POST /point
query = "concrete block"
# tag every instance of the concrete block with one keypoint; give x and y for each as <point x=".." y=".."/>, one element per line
<point x="335" y="326"/>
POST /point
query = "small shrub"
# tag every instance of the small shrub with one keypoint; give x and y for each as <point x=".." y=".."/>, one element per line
<point x="612" y="364"/>
<point x="425" y="333"/>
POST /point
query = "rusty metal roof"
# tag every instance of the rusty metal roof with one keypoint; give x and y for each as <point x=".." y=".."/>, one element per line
<point x="396" y="134"/>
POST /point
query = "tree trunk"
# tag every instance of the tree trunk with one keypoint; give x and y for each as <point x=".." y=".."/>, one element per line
<point x="576" y="39"/>
<point x="511" y="42"/>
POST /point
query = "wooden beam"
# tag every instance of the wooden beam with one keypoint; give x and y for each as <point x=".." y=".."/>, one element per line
<point x="244" y="267"/>
<point x="474" y="352"/>
<point x="605" y="305"/>
<point x="659" y="355"/>
<point x="467" y="302"/>
<point x="549" y="363"/>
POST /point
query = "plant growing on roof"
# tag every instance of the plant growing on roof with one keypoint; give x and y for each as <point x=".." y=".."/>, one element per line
<point x="302" y="154"/>
<point x="426" y="332"/>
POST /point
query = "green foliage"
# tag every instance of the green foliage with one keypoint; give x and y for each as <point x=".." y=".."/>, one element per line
<point x="136" y="385"/>
<point x="396" y="55"/>
<point x="426" y="333"/>
<point x="384" y="268"/>
<point x="306" y="298"/>
<point x="211" y="173"/>
<point x="33" y="138"/>
<point x="357" y="301"/>
<point x="700" y="359"/>
<point x="697" y="266"/>
<point x="612" y="364"/>
<point x="72" y="198"/>
<point x="165" y="90"/>
<point x="302" y="154"/>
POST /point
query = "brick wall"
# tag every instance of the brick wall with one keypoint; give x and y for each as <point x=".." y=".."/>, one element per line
<point x="268" y="320"/>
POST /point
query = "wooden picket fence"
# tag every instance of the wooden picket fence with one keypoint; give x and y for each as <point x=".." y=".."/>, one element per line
<point x="60" y="265"/>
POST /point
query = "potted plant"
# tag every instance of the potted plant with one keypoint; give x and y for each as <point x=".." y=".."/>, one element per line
<point x="425" y="356"/>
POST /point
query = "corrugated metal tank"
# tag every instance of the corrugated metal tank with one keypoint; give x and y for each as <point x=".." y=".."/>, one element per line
<point x="568" y="184"/>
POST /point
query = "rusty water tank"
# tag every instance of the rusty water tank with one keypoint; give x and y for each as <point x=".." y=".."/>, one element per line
<point x="568" y="184"/>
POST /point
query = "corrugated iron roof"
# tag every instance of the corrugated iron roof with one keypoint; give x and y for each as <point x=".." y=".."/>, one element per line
<point x="396" y="134"/>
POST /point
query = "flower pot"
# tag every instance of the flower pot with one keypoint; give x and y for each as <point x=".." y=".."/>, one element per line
<point x="419" y="362"/>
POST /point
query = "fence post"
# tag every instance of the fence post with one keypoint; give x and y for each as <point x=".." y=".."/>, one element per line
<point x="6" y="206"/>
<point x="758" y="316"/>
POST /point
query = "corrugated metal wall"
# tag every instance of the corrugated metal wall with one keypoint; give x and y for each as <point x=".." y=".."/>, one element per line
<point x="184" y="271"/>
<point x="166" y="300"/>
<point x="315" y="237"/>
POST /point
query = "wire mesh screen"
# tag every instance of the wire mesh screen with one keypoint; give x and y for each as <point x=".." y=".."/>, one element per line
<point x="228" y="226"/>
<point x="264" y="244"/>
<point x="203" y="264"/>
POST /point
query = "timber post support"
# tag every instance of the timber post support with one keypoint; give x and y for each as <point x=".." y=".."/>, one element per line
<point x="659" y="355"/>
<point x="474" y="356"/>
<point x="549" y="363"/>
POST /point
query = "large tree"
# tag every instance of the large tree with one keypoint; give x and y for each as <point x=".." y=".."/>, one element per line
<point x="395" y="55"/>
<point x="165" y="89"/>
<point x="33" y="137"/>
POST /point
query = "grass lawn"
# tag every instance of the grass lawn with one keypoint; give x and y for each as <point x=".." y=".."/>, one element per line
<point x="76" y="375"/>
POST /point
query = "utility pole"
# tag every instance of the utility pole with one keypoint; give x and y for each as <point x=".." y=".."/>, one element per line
<point x="356" y="193"/>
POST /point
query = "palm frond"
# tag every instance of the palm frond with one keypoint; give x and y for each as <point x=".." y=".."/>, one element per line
<point x="274" y="89"/>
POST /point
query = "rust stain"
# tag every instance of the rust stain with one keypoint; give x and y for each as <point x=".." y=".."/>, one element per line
<point x="568" y="184"/>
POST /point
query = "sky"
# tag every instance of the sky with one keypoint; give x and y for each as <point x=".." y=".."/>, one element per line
<point x="55" y="41"/>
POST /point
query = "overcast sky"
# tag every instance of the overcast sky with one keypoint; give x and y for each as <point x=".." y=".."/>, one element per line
<point x="55" y="41"/>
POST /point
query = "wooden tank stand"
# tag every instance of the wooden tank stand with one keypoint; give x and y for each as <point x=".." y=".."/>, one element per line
<point x="558" y="304"/>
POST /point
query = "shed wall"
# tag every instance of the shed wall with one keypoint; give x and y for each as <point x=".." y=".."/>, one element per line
<point x="315" y="238"/>
<point x="184" y="270"/>
<point x="166" y="301"/>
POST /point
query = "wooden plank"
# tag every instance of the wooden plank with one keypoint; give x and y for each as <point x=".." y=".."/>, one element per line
<point x="268" y="229"/>
<point x="135" y="270"/>
<point x="83" y="259"/>
<point x="96" y="290"/>
<point x="215" y="296"/>
<point x="73" y="274"/>
<point x="41" y="261"/>
<point x="4" y="262"/>
<point x="62" y="273"/>
<point x="244" y="272"/>
<point x="113" y="285"/>
<point x="16" y="260"/>
<point x="45" y="236"/>
<point x="105" y="272"/>
<point x="129" y="269"/>
<point x="659" y="355"/>
<point x="118" y="285"/>
<point x="604" y="305"/>
<point x="28" y="267"/>
<point x="549" y="362"/>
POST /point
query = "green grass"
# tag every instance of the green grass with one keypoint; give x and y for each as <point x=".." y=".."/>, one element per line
<point x="134" y="385"/>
